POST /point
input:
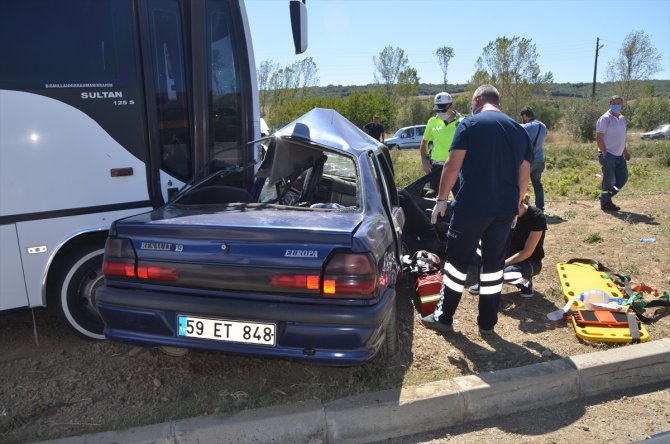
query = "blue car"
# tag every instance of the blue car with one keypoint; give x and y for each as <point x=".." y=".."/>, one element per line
<point x="301" y="264"/>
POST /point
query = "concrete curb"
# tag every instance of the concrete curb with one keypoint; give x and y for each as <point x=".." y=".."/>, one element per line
<point x="392" y="413"/>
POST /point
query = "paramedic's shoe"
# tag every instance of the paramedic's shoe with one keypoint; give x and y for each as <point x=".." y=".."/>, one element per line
<point x="526" y="289"/>
<point x="609" y="206"/>
<point x="430" y="322"/>
<point x="484" y="332"/>
<point x="474" y="288"/>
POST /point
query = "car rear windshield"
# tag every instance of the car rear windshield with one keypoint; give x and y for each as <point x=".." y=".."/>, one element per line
<point x="291" y="175"/>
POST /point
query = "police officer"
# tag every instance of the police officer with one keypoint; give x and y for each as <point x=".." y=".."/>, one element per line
<point x="440" y="129"/>
<point x="492" y="153"/>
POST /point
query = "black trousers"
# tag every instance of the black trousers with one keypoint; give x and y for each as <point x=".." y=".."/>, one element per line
<point x="463" y="238"/>
<point x="435" y="181"/>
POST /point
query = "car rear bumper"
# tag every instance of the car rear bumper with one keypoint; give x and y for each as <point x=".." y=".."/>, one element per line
<point x="319" y="333"/>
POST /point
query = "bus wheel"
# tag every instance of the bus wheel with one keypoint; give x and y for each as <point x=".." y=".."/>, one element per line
<point x="73" y="292"/>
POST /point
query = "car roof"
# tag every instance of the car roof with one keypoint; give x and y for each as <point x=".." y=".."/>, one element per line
<point x="329" y="128"/>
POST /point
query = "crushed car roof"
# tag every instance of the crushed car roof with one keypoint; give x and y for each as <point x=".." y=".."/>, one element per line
<point x="328" y="127"/>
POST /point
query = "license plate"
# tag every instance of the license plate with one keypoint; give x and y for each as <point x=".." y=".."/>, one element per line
<point x="225" y="330"/>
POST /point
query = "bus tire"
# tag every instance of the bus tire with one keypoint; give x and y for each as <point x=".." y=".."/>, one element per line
<point x="72" y="293"/>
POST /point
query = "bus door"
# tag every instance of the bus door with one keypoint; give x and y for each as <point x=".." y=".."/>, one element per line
<point x="167" y="97"/>
<point x="199" y="88"/>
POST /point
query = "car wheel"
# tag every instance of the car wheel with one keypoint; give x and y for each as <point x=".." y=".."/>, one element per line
<point x="72" y="292"/>
<point x="176" y="352"/>
<point x="394" y="147"/>
<point x="391" y="342"/>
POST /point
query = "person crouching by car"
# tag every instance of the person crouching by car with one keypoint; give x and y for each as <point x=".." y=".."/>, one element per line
<point x="526" y="250"/>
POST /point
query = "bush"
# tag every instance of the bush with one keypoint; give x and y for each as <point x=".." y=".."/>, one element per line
<point x="414" y="112"/>
<point x="547" y="112"/>
<point x="358" y="108"/>
<point x="654" y="149"/>
<point x="580" y="119"/>
<point x="650" y="112"/>
<point x="593" y="238"/>
<point x="462" y="102"/>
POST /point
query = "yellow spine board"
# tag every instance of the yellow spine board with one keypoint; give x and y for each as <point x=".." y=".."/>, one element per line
<point x="578" y="278"/>
<point x="607" y="334"/>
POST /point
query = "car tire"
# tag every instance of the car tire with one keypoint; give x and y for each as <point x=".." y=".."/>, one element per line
<point x="77" y="276"/>
<point x="175" y="352"/>
<point x="394" y="147"/>
<point x="391" y="341"/>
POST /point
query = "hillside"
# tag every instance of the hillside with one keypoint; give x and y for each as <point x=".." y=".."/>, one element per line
<point x="582" y="89"/>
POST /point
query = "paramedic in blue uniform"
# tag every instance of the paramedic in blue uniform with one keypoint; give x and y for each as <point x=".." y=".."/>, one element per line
<point x="526" y="249"/>
<point x="492" y="153"/>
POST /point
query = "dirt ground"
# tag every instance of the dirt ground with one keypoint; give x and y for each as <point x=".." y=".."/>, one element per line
<point x="66" y="386"/>
<point x="632" y="415"/>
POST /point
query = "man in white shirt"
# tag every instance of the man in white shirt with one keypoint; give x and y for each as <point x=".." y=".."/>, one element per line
<point x="612" y="152"/>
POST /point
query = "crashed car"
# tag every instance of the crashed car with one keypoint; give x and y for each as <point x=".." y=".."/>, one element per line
<point x="301" y="265"/>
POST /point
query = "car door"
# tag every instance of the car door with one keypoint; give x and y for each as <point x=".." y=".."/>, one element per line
<point x="389" y="193"/>
<point x="418" y="135"/>
<point x="406" y="138"/>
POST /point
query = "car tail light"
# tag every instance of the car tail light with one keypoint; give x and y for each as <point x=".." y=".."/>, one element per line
<point x="120" y="261"/>
<point x="157" y="273"/>
<point x="298" y="281"/>
<point x="350" y="275"/>
<point x="119" y="258"/>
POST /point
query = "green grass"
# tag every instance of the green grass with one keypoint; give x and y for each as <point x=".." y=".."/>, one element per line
<point x="593" y="238"/>
<point x="572" y="169"/>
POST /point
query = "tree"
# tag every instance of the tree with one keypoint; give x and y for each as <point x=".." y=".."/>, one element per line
<point x="638" y="60"/>
<point x="408" y="84"/>
<point x="293" y="81"/>
<point x="580" y="119"/>
<point x="266" y="71"/>
<point x="391" y="62"/>
<point x="511" y="65"/>
<point x="444" y="54"/>
<point x="409" y="109"/>
<point x="308" y="73"/>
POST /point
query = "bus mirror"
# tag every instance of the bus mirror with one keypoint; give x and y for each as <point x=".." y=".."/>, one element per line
<point x="299" y="25"/>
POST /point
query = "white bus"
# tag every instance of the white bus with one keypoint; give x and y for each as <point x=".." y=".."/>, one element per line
<point x="106" y="108"/>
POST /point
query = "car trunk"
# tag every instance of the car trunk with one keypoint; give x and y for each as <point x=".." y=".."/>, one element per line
<point x="247" y="250"/>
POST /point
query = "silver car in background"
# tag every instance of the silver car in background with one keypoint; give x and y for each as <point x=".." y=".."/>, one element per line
<point x="660" y="132"/>
<point x="407" y="137"/>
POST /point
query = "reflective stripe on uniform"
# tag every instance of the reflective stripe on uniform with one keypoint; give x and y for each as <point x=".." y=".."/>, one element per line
<point x="490" y="289"/>
<point x="488" y="277"/>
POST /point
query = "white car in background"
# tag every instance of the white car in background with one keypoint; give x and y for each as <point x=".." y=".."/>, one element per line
<point x="407" y="137"/>
<point x="660" y="132"/>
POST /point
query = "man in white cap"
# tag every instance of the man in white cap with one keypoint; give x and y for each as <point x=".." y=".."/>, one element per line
<point x="440" y="129"/>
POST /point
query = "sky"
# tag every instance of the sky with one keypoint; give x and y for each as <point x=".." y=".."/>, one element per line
<point x="345" y="35"/>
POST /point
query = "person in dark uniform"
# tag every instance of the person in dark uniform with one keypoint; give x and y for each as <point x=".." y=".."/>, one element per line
<point x="526" y="250"/>
<point x="492" y="153"/>
<point x="375" y="129"/>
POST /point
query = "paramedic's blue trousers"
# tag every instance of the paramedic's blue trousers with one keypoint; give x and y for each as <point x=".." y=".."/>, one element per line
<point x="463" y="238"/>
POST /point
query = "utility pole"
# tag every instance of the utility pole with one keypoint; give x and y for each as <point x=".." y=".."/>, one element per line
<point x="595" y="68"/>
